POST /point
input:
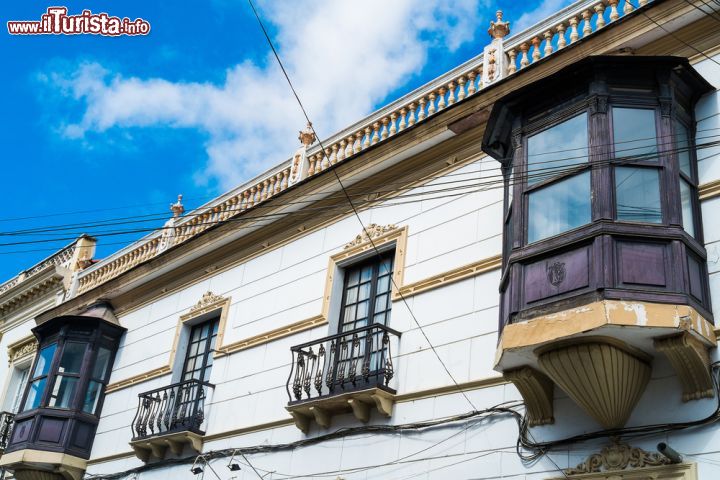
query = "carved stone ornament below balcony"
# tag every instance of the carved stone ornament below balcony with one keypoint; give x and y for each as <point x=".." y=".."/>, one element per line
<point x="372" y="231"/>
<point x="618" y="456"/>
<point x="691" y="362"/>
<point x="537" y="392"/>
<point x="581" y="369"/>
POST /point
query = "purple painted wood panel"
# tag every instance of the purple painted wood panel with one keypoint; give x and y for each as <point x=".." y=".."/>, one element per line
<point x="21" y="430"/>
<point x="641" y="263"/>
<point x="51" y="429"/>
<point x="557" y="274"/>
<point x="695" y="275"/>
<point x="82" y="436"/>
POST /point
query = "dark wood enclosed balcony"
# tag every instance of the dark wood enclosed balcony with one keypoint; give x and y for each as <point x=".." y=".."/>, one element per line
<point x="6" y="425"/>
<point x="170" y="417"/>
<point x="347" y="372"/>
<point x="604" y="267"/>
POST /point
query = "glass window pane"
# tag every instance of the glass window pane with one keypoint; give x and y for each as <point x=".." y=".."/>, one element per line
<point x="551" y="151"/>
<point x="16" y="389"/>
<point x="44" y="359"/>
<point x="92" y="396"/>
<point x="366" y="274"/>
<point x="559" y="207"/>
<point x="349" y="314"/>
<point x="72" y="357"/>
<point x="383" y="284"/>
<point x="385" y="267"/>
<point x="381" y="302"/>
<point x="353" y="277"/>
<point x="634" y="133"/>
<point x="364" y="291"/>
<point x="362" y="309"/>
<point x="101" y="363"/>
<point x="682" y="145"/>
<point x="686" y="200"/>
<point x="637" y="195"/>
<point x="63" y="391"/>
<point x="35" y="394"/>
<point x="351" y="295"/>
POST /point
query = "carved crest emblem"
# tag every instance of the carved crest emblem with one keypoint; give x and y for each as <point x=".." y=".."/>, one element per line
<point x="556" y="273"/>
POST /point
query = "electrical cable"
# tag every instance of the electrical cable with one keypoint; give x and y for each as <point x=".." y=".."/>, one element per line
<point x="553" y="173"/>
<point x="539" y="173"/>
<point x="540" y="448"/>
<point x="336" y="434"/>
<point x="672" y="34"/>
<point x="355" y="211"/>
<point x="709" y="14"/>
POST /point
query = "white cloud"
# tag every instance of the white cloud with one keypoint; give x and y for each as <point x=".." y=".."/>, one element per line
<point x="343" y="56"/>
<point x="544" y="9"/>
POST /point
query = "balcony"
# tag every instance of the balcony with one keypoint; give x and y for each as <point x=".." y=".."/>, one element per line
<point x="347" y="372"/>
<point x="6" y="428"/>
<point x="170" y="417"/>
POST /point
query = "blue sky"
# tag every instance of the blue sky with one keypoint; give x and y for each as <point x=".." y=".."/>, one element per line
<point x="97" y="128"/>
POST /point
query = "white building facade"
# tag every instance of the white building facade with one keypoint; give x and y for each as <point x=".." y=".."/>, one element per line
<point x="337" y="316"/>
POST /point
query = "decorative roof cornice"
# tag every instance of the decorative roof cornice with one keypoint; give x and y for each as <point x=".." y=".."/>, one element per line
<point x="504" y="58"/>
<point x="50" y="279"/>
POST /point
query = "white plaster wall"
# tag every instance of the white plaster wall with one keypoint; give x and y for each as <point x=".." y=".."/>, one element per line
<point x="286" y="285"/>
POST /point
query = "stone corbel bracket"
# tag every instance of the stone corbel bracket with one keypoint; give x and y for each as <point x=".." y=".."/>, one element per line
<point x="537" y="392"/>
<point x="691" y="362"/>
<point x="359" y="403"/>
<point x="156" y="447"/>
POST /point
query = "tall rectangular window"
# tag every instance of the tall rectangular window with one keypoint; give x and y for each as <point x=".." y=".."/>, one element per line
<point x="37" y="385"/>
<point x="366" y="293"/>
<point x="16" y="388"/>
<point x="559" y="197"/>
<point x="199" y="356"/>
<point x="68" y="375"/>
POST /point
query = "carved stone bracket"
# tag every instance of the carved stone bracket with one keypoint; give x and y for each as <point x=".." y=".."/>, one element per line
<point x="157" y="447"/>
<point x="689" y="358"/>
<point x="618" y="456"/>
<point x="360" y="403"/>
<point x="537" y="392"/>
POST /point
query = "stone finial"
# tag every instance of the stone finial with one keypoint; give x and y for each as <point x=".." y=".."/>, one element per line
<point x="307" y="136"/>
<point x="499" y="29"/>
<point x="177" y="208"/>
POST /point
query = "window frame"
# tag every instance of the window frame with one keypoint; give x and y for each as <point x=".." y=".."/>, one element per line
<point x="558" y="116"/>
<point x="376" y="262"/>
<point x="691" y="180"/>
<point x="208" y="350"/>
<point x="659" y="164"/>
<point x="93" y="340"/>
<point x="603" y="162"/>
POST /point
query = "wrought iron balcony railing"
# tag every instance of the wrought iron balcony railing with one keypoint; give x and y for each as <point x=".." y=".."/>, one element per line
<point x="349" y="361"/>
<point x="175" y="408"/>
<point x="6" y="427"/>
